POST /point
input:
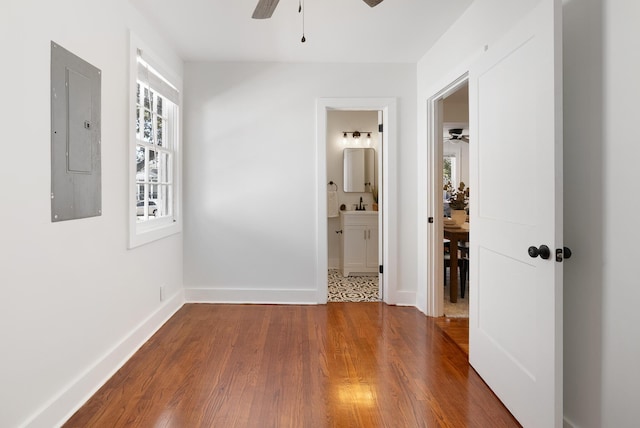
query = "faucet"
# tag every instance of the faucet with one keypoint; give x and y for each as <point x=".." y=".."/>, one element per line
<point x="360" y="206"/>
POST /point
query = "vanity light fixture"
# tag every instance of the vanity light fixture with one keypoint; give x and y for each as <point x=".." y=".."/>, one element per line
<point x="356" y="137"/>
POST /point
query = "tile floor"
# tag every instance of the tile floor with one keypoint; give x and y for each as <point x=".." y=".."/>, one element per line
<point x="352" y="288"/>
<point x="365" y="289"/>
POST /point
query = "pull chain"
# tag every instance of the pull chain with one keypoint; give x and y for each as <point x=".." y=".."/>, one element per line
<point x="301" y="9"/>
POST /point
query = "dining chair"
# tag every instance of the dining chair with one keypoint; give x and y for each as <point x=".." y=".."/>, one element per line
<point x="447" y="259"/>
<point x="463" y="262"/>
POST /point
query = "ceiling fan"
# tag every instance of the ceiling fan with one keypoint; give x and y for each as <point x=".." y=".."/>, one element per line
<point x="456" y="136"/>
<point x="264" y="8"/>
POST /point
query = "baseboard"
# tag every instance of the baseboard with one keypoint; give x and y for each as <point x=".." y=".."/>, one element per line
<point x="60" y="408"/>
<point x="404" y="298"/>
<point x="251" y="296"/>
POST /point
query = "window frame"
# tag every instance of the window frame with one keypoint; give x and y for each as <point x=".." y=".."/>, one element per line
<point x="143" y="232"/>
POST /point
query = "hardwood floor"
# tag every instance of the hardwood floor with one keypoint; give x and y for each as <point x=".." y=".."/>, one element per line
<point x="457" y="329"/>
<point x="334" y="365"/>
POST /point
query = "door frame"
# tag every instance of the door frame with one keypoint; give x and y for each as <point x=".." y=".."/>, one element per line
<point x="430" y="154"/>
<point x="387" y="193"/>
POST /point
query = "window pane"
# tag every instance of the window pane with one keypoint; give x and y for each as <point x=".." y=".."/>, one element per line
<point x="159" y="130"/>
<point x="148" y="127"/>
<point x="153" y="166"/>
<point x="449" y="174"/>
<point x="446" y="170"/>
<point x="151" y="202"/>
<point x="138" y="100"/>
<point x="163" y="168"/>
<point x="148" y="98"/>
<point x="138" y="123"/>
<point x="141" y="162"/>
<point x="159" y="105"/>
<point x="153" y="191"/>
<point x="163" y="201"/>
<point x="141" y="204"/>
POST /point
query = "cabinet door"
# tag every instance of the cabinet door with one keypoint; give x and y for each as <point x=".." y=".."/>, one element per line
<point x="355" y="246"/>
<point x="372" y="247"/>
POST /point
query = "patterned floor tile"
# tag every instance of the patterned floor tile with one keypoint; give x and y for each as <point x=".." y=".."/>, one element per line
<point x="352" y="288"/>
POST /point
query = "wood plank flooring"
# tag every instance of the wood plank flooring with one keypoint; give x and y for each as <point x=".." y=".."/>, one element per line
<point x="457" y="329"/>
<point x="334" y="365"/>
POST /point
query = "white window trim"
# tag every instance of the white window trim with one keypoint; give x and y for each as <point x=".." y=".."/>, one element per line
<point x="141" y="233"/>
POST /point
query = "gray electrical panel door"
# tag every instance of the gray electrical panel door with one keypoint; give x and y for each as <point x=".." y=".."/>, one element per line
<point x="76" y="185"/>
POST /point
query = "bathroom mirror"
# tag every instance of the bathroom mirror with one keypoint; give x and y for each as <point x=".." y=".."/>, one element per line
<point x="359" y="169"/>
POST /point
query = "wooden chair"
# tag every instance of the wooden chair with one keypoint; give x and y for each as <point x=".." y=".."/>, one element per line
<point x="463" y="262"/>
<point x="447" y="259"/>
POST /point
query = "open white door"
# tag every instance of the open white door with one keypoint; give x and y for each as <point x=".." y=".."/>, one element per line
<point x="515" y="328"/>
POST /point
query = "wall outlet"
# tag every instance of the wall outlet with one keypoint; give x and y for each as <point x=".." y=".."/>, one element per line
<point x="162" y="293"/>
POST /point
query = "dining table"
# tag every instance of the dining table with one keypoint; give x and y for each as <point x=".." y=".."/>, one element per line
<point x="455" y="234"/>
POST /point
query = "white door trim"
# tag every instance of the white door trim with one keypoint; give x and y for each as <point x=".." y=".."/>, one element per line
<point x="388" y="193"/>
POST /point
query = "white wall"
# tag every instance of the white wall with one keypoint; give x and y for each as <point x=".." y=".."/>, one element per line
<point x="601" y="289"/>
<point x="339" y="121"/>
<point x="456" y="111"/>
<point x="250" y="229"/>
<point x="76" y="301"/>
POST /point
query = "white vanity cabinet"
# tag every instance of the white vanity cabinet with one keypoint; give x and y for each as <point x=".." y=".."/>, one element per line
<point x="359" y="249"/>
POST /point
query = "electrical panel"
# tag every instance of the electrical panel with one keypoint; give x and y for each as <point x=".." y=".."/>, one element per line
<point x="76" y="183"/>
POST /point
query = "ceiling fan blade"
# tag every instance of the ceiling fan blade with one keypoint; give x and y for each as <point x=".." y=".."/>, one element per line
<point x="465" y="138"/>
<point x="372" y="3"/>
<point x="264" y="9"/>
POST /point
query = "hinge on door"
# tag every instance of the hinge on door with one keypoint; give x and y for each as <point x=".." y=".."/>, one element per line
<point x="430" y="220"/>
<point x="380" y="269"/>
<point x="380" y="128"/>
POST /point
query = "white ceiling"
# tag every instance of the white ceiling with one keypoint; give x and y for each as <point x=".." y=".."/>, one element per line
<point x="336" y="30"/>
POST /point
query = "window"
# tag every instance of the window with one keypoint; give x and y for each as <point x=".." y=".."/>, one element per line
<point x="450" y="169"/>
<point x="155" y="198"/>
<point x="154" y="153"/>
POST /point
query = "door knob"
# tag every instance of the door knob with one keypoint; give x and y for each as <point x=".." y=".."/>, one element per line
<point x="544" y="252"/>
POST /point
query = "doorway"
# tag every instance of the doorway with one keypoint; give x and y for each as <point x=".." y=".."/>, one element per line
<point x="455" y="179"/>
<point x="354" y="143"/>
<point x="387" y="230"/>
<point x="431" y="247"/>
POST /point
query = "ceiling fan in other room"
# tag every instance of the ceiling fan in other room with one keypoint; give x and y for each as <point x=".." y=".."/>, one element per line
<point x="264" y="8"/>
<point x="455" y="136"/>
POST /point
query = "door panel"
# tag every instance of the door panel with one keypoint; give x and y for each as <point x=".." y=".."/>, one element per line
<point x="501" y="277"/>
<point x="515" y="326"/>
<point x="508" y="83"/>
